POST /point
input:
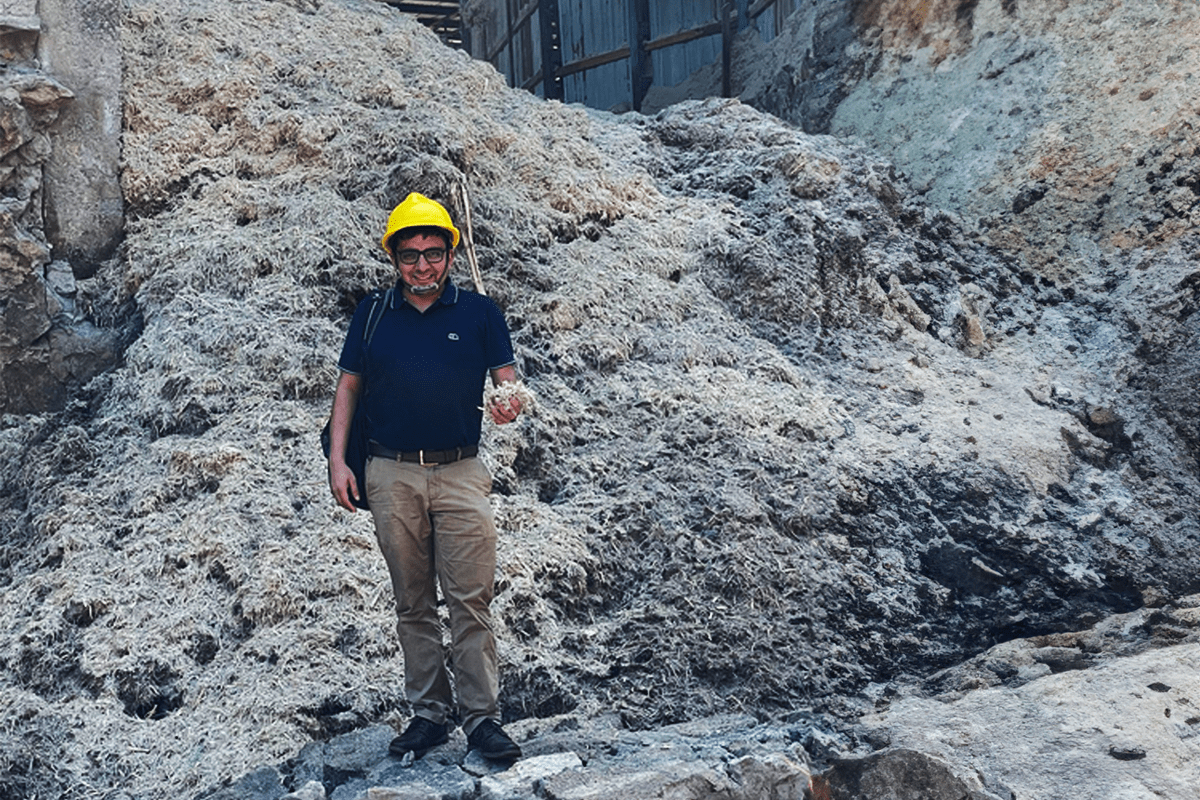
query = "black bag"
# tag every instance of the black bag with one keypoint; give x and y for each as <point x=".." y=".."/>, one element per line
<point x="357" y="450"/>
<point x="357" y="445"/>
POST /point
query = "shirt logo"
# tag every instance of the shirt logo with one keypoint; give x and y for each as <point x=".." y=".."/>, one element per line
<point x="452" y="337"/>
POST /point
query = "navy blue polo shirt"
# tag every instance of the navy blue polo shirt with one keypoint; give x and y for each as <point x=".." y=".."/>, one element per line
<point x="424" y="372"/>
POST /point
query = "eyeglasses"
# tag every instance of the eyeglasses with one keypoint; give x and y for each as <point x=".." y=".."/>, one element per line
<point x="434" y="255"/>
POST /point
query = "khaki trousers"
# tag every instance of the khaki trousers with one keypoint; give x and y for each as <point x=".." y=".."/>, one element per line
<point x="435" y="526"/>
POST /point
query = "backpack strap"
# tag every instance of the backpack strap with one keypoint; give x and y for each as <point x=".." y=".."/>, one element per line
<point x="379" y="305"/>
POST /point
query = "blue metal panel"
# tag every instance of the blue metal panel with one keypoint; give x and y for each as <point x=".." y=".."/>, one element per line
<point x="764" y="23"/>
<point x="500" y="62"/>
<point x="770" y="22"/>
<point x="674" y="64"/>
<point x="534" y="38"/>
<point x="527" y="50"/>
<point x="535" y="31"/>
<point x="589" y="28"/>
<point x="606" y="87"/>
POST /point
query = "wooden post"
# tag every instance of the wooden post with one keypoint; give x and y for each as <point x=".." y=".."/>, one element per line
<point x="552" y="87"/>
<point x="641" y="71"/>
<point x="509" y="35"/>
<point x="726" y="47"/>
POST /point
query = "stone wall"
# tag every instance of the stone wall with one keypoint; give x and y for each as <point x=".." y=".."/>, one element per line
<point x="60" y="202"/>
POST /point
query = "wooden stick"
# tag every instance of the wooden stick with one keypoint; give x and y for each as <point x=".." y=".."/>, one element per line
<point x="476" y="275"/>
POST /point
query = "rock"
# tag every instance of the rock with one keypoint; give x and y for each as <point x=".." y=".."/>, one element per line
<point x="19" y="29"/>
<point x="60" y="279"/>
<point x="45" y="371"/>
<point x="775" y="776"/>
<point x="358" y="750"/>
<point x="42" y="96"/>
<point x="416" y="791"/>
<point x="905" y="304"/>
<point x="896" y="774"/>
<point x="15" y="126"/>
<point x="1127" y="752"/>
<point x="312" y="790"/>
<point x="973" y="331"/>
<point x="1095" y="729"/>
<point x="690" y="780"/>
<point x="262" y="784"/>
<point x="25" y="317"/>
<point x="963" y="100"/>
<point x="33" y="144"/>
<point x="725" y="757"/>
<point x="523" y="778"/>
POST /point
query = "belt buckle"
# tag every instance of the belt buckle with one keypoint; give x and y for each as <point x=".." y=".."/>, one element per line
<point x="421" y="459"/>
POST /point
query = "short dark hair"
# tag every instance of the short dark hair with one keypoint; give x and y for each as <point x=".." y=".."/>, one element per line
<point x="418" y="230"/>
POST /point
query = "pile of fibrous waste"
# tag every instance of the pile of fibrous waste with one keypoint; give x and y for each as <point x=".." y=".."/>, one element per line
<point x="800" y="441"/>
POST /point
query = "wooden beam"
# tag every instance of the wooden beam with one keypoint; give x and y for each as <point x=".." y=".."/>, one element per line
<point x="711" y="29"/>
<point x="428" y="8"/>
<point x="525" y="15"/>
<point x="591" y="62"/>
<point x="600" y="59"/>
<point x="759" y="7"/>
<point x="532" y="81"/>
<point x="743" y="15"/>
<point x="735" y="15"/>
<point x="513" y="27"/>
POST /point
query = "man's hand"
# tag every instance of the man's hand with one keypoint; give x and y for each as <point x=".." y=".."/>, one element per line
<point x="506" y="407"/>
<point x="343" y="485"/>
<point x="341" y="477"/>
<point x="504" y="413"/>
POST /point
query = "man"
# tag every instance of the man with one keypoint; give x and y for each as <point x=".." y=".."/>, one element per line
<point x="420" y="377"/>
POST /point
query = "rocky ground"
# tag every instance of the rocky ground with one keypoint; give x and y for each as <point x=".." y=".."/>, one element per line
<point x="813" y="444"/>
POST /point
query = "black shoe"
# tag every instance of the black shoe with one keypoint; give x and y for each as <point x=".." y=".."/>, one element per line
<point x="418" y="738"/>
<point x="492" y="742"/>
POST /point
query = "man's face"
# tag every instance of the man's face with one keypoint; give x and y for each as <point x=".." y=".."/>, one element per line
<point x="423" y="277"/>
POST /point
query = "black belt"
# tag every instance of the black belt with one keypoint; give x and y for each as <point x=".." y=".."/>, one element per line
<point x="426" y="458"/>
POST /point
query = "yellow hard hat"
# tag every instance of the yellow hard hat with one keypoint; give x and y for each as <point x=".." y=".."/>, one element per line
<point x="417" y="210"/>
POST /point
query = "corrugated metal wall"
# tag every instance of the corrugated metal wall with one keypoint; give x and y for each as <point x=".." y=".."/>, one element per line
<point x="590" y="46"/>
<point x="674" y="64"/>
<point x="770" y="22"/>
<point x="588" y="28"/>
<point x="506" y="34"/>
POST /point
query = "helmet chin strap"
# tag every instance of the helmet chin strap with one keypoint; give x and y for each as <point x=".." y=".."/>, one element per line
<point x="426" y="289"/>
<point x="429" y="288"/>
